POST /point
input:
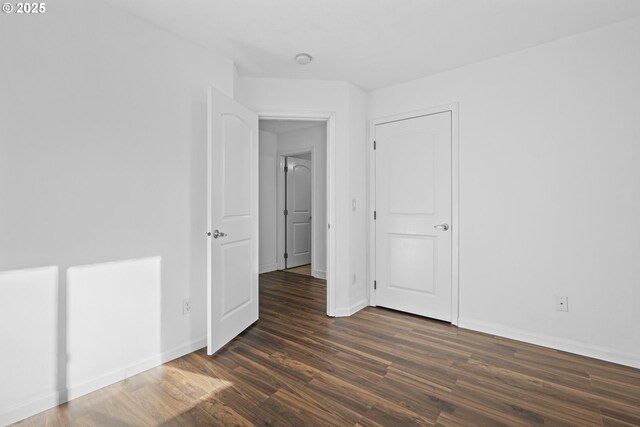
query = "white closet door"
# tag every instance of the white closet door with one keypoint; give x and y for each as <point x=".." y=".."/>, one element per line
<point x="413" y="215"/>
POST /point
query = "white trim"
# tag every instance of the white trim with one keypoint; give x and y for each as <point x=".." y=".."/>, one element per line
<point x="372" y="207"/>
<point x="455" y="214"/>
<point x="331" y="216"/>
<point x="556" y="343"/>
<point x="210" y="99"/>
<point x="26" y="409"/>
<point x="455" y="198"/>
<point x="267" y="268"/>
<point x="330" y="119"/>
<point x="348" y="311"/>
<point x="319" y="274"/>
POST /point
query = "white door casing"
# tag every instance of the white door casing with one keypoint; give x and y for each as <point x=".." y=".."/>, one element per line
<point x="232" y="220"/>
<point x="330" y="118"/>
<point x="413" y="200"/>
<point x="298" y="206"/>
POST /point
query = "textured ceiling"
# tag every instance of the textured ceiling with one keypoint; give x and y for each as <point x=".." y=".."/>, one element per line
<point x="372" y="43"/>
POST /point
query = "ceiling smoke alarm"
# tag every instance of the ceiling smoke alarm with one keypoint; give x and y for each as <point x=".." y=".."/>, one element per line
<point x="303" y="59"/>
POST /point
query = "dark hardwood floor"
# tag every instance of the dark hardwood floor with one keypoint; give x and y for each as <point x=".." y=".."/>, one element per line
<point x="297" y="367"/>
<point x="303" y="269"/>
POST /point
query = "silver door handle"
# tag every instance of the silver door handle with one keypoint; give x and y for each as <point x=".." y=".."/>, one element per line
<point x="443" y="227"/>
<point x="217" y="233"/>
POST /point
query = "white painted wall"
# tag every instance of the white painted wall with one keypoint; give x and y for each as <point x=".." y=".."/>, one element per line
<point x="102" y="199"/>
<point x="315" y="137"/>
<point x="346" y="101"/>
<point x="306" y="156"/>
<point x="359" y="221"/>
<point x="268" y="145"/>
<point x="549" y="185"/>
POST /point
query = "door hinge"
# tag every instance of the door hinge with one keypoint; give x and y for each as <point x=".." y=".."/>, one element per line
<point x="375" y="285"/>
<point x="375" y="215"/>
<point x="286" y="212"/>
<point x="286" y="255"/>
<point x="286" y="169"/>
<point x="374" y="144"/>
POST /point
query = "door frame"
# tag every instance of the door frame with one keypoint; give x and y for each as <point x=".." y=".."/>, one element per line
<point x="280" y="243"/>
<point x="455" y="198"/>
<point x="329" y="118"/>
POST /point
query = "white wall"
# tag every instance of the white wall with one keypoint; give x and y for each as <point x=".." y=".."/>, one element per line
<point x="268" y="144"/>
<point x="549" y="185"/>
<point x="315" y="137"/>
<point x="359" y="191"/>
<point x="102" y="199"/>
<point x="345" y="100"/>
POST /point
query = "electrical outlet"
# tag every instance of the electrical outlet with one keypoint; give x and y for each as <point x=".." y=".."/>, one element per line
<point x="186" y="306"/>
<point x="562" y="303"/>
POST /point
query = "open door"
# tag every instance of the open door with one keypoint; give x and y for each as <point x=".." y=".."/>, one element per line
<point x="232" y="220"/>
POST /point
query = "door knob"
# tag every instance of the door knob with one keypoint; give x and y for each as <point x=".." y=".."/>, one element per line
<point x="443" y="227"/>
<point x="217" y="233"/>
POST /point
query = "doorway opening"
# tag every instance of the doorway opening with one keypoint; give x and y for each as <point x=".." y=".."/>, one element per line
<point x="294" y="211"/>
<point x="235" y="217"/>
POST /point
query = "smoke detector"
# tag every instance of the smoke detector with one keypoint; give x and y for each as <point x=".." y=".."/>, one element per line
<point x="303" y="59"/>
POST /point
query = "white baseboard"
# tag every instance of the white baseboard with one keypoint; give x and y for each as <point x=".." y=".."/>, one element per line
<point x="556" y="343"/>
<point x="348" y="311"/>
<point x="42" y="403"/>
<point x="267" y="268"/>
<point x="319" y="274"/>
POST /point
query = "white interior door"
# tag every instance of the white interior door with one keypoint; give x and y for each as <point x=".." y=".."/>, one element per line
<point x="298" y="206"/>
<point x="413" y="215"/>
<point x="232" y="264"/>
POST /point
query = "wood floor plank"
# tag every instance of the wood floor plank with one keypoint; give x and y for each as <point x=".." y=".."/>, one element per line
<point x="298" y="367"/>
